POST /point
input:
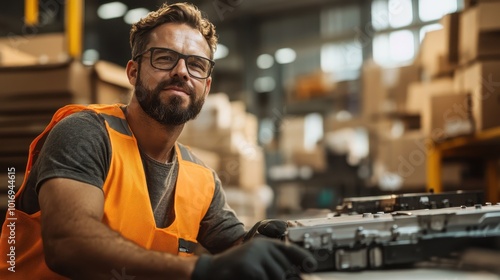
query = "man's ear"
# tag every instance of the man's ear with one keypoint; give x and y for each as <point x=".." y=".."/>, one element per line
<point x="132" y="72"/>
<point x="207" y="86"/>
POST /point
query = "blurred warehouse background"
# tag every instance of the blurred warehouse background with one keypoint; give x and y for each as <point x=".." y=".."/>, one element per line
<point x="312" y="101"/>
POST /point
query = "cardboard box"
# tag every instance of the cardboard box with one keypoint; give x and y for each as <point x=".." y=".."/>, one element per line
<point x="482" y="81"/>
<point x="222" y="126"/>
<point x="215" y="114"/>
<point x="221" y="140"/>
<point x="374" y="92"/>
<point x="43" y="88"/>
<point x="14" y="57"/>
<point x="471" y="3"/>
<point x="315" y="159"/>
<point x="444" y="111"/>
<point x="292" y="136"/>
<point x="47" y="48"/>
<point x="439" y="50"/>
<point x="249" y="205"/>
<point x="479" y="32"/>
<point x="245" y="122"/>
<point x="384" y="90"/>
<point x="110" y="84"/>
<point x="401" y="164"/>
<point x="420" y="92"/>
<point x="30" y="95"/>
<point x="403" y="76"/>
<point x="446" y="116"/>
<point x="211" y="159"/>
<point x="431" y="52"/>
<point x="459" y="79"/>
<point x="451" y="27"/>
<point x="245" y="169"/>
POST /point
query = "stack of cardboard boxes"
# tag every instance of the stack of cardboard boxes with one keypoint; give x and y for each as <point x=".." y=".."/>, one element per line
<point x="37" y="78"/>
<point x="457" y="93"/>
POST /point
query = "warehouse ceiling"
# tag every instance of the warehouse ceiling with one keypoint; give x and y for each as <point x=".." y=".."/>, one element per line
<point x="110" y="36"/>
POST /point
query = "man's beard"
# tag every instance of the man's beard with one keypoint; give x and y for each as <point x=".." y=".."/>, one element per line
<point x="171" y="112"/>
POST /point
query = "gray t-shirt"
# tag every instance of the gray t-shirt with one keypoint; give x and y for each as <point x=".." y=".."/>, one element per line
<point x="78" y="148"/>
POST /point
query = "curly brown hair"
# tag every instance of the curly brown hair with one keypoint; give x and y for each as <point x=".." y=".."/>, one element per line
<point x="174" y="13"/>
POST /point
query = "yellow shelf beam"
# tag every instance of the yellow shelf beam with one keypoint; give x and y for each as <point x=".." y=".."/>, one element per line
<point x="31" y="12"/>
<point x="460" y="146"/>
<point x="74" y="27"/>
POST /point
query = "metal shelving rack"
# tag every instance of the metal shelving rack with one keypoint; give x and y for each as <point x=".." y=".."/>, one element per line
<point x="484" y="145"/>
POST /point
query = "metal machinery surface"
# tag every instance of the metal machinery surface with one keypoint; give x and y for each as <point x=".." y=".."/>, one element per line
<point x="381" y="240"/>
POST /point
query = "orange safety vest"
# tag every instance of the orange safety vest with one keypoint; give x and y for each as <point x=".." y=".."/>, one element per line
<point x="127" y="207"/>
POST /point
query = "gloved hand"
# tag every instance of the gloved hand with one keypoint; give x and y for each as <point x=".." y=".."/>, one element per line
<point x="258" y="259"/>
<point x="272" y="228"/>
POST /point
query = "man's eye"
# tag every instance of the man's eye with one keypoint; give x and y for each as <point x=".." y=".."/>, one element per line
<point x="197" y="65"/>
<point x="165" y="58"/>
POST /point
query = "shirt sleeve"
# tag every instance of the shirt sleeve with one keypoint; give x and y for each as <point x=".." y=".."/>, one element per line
<point x="76" y="148"/>
<point x="220" y="227"/>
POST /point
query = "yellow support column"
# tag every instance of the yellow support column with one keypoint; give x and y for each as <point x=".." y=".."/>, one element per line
<point x="434" y="158"/>
<point x="74" y="27"/>
<point x="31" y="12"/>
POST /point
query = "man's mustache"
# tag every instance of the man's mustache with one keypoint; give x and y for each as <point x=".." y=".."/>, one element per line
<point x="177" y="83"/>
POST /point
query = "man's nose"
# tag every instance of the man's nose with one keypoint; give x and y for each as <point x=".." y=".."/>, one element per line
<point x="180" y="69"/>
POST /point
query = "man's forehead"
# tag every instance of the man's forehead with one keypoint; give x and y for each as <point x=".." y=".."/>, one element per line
<point x="180" y="37"/>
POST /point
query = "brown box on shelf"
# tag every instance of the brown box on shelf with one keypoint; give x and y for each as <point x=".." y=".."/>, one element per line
<point x="43" y="88"/>
<point x="420" y="92"/>
<point x="459" y="79"/>
<point x="292" y="138"/>
<point x="245" y="122"/>
<point x="444" y="111"/>
<point x="13" y="57"/>
<point x="401" y="164"/>
<point x="315" y="158"/>
<point x="471" y="3"/>
<point x="482" y="81"/>
<point x="110" y="83"/>
<point x="45" y="48"/>
<point x="432" y="51"/>
<point x="374" y="90"/>
<point x="451" y="27"/>
<point x="222" y="126"/>
<point x="439" y="50"/>
<point x="217" y="140"/>
<point x="479" y="32"/>
<point x="244" y="169"/>
<point x="447" y="115"/>
<point x="248" y="204"/>
<point x="403" y="77"/>
<point x="30" y="95"/>
<point x="209" y="158"/>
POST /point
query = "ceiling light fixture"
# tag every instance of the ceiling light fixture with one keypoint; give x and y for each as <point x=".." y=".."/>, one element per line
<point x="285" y="55"/>
<point x="111" y="10"/>
<point x="221" y="52"/>
<point x="134" y="15"/>
<point x="265" y="61"/>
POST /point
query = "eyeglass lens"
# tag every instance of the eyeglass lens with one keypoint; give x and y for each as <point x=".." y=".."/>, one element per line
<point x="167" y="59"/>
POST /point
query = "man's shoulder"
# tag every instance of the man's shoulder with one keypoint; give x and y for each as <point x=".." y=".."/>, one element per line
<point x="82" y="118"/>
<point x="191" y="155"/>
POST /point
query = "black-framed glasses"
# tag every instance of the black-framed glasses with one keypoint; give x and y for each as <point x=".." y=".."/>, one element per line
<point x="166" y="59"/>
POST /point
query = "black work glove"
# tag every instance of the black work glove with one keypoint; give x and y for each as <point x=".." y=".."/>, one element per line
<point x="271" y="228"/>
<point x="258" y="259"/>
